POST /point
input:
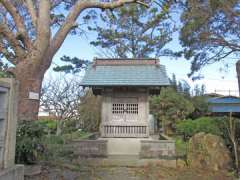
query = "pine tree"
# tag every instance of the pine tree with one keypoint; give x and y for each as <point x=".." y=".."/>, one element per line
<point x="134" y="31"/>
<point x="173" y="82"/>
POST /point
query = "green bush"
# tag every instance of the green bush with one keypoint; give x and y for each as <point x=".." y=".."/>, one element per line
<point x="49" y="124"/>
<point x="55" y="149"/>
<point x="200" y="107"/>
<point x="70" y="126"/>
<point x="170" y="106"/>
<point x="76" y="135"/>
<point x="53" y="139"/>
<point x="223" y="123"/>
<point x="29" y="146"/>
<point x="181" y="147"/>
<point x="187" y="128"/>
<point x="90" y="112"/>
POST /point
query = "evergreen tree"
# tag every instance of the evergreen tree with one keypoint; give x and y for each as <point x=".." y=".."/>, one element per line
<point x="173" y="81"/>
<point x="73" y="65"/>
<point x="203" y="89"/>
<point x="210" y="31"/>
<point x="197" y="90"/>
<point x="186" y="88"/>
<point x="134" y="31"/>
<point x="170" y="107"/>
<point x="179" y="87"/>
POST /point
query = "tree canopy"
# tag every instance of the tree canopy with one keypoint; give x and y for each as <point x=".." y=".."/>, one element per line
<point x="210" y="31"/>
<point x="32" y="31"/>
<point x="134" y="31"/>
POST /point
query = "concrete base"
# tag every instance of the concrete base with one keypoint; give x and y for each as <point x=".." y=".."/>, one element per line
<point x="126" y="152"/>
<point x="14" y="173"/>
<point x="143" y="147"/>
<point x="124" y="146"/>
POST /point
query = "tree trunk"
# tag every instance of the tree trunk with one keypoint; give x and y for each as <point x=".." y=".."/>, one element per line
<point x="30" y="82"/>
<point x="232" y="136"/>
<point x="238" y="75"/>
<point x="59" y="127"/>
<point x="235" y="155"/>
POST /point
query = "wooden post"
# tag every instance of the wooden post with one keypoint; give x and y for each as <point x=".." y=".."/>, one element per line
<point x="238" y="75"/>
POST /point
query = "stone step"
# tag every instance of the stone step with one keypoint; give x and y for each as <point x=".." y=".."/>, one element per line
<point x="123" y="157"/>
<point x="124" y="146"/>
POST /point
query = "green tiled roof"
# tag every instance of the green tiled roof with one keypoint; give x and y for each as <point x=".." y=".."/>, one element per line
<point x="125" y="75"/>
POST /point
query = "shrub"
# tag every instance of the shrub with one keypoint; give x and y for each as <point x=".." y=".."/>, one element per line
<point x="70" y="126"/>
<point x="223" y="123"/>
<point x="181" y="147"/>
<point x="90" y="111"/>
<point x="186" y="128"/>
<point x="170" y="106"/>
<point x="49" y="124"/>
<point x="200" y="105"/>
<point x="189" y="127"/>
<point x="29" y="145"/>
<point x="55" y="149"/>
<point x="76" y="135"/>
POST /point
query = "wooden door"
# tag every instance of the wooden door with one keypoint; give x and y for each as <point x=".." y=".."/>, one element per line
<point x="118" y="109"/>
<point x="125" y="109"/>
<point x="131" y="109"/>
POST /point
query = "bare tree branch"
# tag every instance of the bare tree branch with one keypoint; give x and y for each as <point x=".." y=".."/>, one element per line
<point x="11" y="38"/>
<point x="17" y="20"/>
<point x="74" y="13"/>
<point x="43" y="28"/>
<point x="62" y="97"/>
<point x="9" y="55"/>
<point x="32" y="12"/>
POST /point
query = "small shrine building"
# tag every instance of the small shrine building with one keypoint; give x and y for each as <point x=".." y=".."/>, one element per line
<point x="125" y="85"/>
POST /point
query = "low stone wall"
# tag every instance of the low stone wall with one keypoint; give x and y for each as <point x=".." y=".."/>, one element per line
<point x="12" y="173"/>
<point x="161" y="149"/>
<point x="89" y="148"/>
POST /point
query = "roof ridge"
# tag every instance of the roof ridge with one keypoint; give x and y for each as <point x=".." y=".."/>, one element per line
<point x="113" y="59"/>
<point x="127" y="62"/>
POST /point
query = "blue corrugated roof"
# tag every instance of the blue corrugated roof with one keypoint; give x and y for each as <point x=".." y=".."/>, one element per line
<point x="126" y="75"/>
<point x="224" y="104"/>
<point x="224" y="109"/>
<point x="224" y="100"/>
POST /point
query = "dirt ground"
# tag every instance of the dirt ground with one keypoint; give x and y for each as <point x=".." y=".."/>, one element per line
<point x="149" y="172"/>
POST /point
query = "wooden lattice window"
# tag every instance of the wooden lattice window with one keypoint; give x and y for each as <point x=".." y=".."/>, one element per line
<point x="132" y="108"/>
<point x="118" y="108"/>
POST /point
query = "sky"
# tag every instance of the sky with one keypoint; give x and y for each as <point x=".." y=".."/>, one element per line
<point x="222" y="82"/>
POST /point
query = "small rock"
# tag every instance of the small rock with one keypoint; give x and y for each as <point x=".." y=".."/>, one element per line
<point x="181" y="163"/>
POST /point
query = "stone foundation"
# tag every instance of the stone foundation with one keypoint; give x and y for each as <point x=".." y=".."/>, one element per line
<point x="105" y="147"/>
<point x="14" y="173"/>
<point x="90" y="148"/>
<point x="159" y="149"/>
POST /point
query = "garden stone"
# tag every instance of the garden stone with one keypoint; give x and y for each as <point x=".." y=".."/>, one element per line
<point x="181" y="163"/>
<point x="207" y="151"/>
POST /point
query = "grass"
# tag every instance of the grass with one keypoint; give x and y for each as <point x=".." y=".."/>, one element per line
<point x="56" y="148"/>
<point x="148" y="172"/>
<point x="181" y="147"/>
<point x="76" y="135"/>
